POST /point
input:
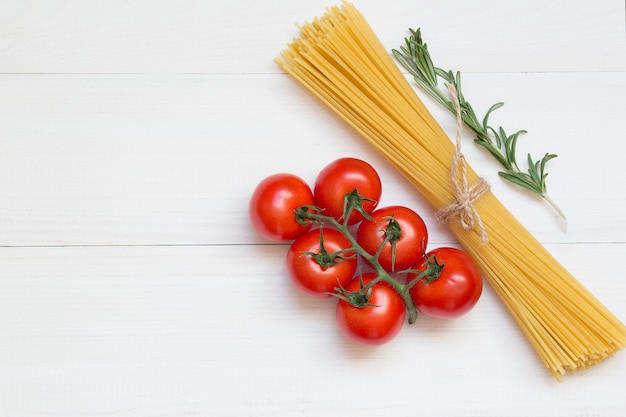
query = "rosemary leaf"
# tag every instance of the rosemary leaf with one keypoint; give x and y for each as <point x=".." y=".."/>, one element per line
<point x="415" y="58"/>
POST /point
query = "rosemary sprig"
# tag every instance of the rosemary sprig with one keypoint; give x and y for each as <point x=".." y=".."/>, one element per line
<point x="414" y="56"/>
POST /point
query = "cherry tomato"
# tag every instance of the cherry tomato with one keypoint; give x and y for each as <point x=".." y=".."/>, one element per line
<point x="409" y="246"/>
<point x="318" y="268"/>
<point x="374" y="324"/>
<point x="455" y="291"/>
<point x="273" y="203"/>
<point x="341" y="177"/>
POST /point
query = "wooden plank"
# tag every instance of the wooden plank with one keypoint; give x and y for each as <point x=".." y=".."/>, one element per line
<point x="218" y="330"/>
<point x="165" y="36"/>
<point x="172" y="159"/>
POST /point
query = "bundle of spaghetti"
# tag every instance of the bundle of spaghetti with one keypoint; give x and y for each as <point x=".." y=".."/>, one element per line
<point x="339" y="59"/>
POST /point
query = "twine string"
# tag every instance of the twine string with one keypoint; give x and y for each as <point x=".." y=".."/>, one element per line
<point x="465" y="194"/>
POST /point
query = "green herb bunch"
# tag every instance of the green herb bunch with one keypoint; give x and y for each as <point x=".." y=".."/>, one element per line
<point x="415" y="58"/>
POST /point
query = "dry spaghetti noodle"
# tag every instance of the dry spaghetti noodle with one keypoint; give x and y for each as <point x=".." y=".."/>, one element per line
<point x="340" y="60"/>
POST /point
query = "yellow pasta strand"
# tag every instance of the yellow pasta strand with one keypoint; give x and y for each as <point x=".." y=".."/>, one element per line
<point x="339" y="59"/>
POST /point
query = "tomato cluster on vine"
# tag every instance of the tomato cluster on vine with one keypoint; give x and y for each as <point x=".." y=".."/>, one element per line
<point x="373" y="260"/>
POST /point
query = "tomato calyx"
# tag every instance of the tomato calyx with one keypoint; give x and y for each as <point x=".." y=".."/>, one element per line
<point x="327" y="259"/>
<point x="392" y="234"/>
<point x="303" y="214"/>
<point x="432" y="271"/>
<point x="358" y="299"/>
<point x="353" y="201"/>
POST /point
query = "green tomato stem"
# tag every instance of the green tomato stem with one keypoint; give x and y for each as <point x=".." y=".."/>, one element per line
<point x="383" y="275"/>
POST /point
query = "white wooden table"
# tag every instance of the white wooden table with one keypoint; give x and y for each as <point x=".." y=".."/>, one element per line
<point x="131" y="136"/>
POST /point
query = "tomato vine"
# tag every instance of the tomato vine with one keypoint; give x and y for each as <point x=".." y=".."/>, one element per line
<point x="337" y="226"/>
<point x="306" y="215"/>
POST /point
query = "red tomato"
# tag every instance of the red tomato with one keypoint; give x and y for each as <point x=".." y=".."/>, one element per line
<point x="341" y="177"/>
<point x="373" y="324"/>
<point x="455" y="291"/>
<point x="273" y="203"/>
<point x="409" y="247"/>
<point x="318" y="272"/>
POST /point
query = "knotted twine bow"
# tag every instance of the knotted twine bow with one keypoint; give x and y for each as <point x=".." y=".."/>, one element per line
<point x="465" y="194"/>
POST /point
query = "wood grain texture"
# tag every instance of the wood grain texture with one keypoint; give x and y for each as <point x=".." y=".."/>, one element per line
<point x="189" y="36"/>
<point x="131" y="136"/>
<point x="147" y="331"/>
<point x="171" y="159"/>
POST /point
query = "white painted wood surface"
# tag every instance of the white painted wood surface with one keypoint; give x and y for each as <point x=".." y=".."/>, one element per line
<point x="131" y="136"/>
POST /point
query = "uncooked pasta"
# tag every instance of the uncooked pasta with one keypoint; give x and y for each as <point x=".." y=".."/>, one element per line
<point x="339" y="59"/>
